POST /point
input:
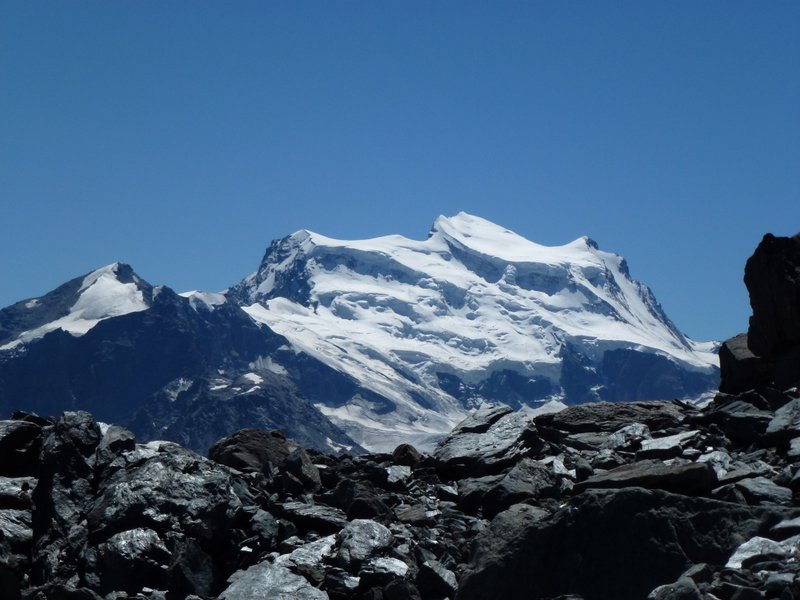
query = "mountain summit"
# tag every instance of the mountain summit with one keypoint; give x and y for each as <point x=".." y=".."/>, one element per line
<point x="391" y="339"/>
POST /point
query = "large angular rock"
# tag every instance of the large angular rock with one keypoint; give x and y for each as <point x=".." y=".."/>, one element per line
<point x="63" y="496"/>
<point x="610" y="417"/>
<point x="785" y="425"/>
<point x="359" y="540"/>
<point x="309" y="556"/>
<point x="314" y="517"/>
<point x="740" y="369"/>
<point x="381" y="570"/>
<point x="15" y="529"/>
<point x="606" y="544"/>
<point x="434" y="578"/>
<point x="486" y="442"/>
<point x="114" y="442"/>
<point x="528" y="479"/>
<point x="760" y="490"/>
<point x="131" y="560"/>
<point x="252" y="450"/>
<point x="266" y="581"/>
<point x="759" y="548"/>
<point x="668" y="446"/>
<point x="192" y="570"/>
<point x="19" y="447"/>
<point x="629" y="437"/>
<point x="743" y="418"/>
<point x="172" y="487"/>
<point x="689" y="478"/>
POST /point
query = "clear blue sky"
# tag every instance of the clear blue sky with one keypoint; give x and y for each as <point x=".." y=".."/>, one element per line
<point x="181" y="137"/>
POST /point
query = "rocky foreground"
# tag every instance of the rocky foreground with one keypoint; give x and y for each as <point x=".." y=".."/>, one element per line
<point x="659" y="500"/>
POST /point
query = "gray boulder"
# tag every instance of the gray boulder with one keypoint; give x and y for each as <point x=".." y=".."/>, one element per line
<point x="528" y="479"/>
<point x="265" y="581"/>
<point x="785" y="425"/>
<point x="361" y="539"/>
<point x="611" y="417"/>
<point x="486" y="442"/>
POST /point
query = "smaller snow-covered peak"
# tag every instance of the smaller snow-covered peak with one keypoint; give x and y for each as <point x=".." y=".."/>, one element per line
<point x="110" y="291"/>
<point x="78" y="305"/>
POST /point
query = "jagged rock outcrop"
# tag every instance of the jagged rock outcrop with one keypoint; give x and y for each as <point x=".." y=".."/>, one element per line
<point x="769" y="354"/>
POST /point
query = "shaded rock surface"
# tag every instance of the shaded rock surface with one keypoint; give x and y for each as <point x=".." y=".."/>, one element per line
<point x="504" y="507"/>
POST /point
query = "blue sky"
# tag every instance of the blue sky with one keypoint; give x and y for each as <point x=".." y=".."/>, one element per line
<point x="181" y="137"/>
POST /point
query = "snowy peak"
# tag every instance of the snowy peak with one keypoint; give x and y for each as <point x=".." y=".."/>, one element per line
<point x="77" y="306"/>
<point x="111" y="291"/>
<point x="444" y="324"/>
<point x="480" y="236"/>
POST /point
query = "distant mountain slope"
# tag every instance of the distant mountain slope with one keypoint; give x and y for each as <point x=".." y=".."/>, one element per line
<point x="140" y="356"/>
<point x="391" y="340"/>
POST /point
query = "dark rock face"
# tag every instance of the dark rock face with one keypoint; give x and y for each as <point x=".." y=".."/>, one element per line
<point x="607" y="544"/>
<point x="772" y="276"/>
<point x="741" y="370"/>
<point x="687" y="478"/>
<point x="602" y="416"/>
<point x="19" y="447"/>
<point x="769" y="354"/>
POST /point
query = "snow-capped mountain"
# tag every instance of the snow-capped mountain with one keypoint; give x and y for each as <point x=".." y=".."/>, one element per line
<point x="473" y="313"/>
<point x="394" y="339"/>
